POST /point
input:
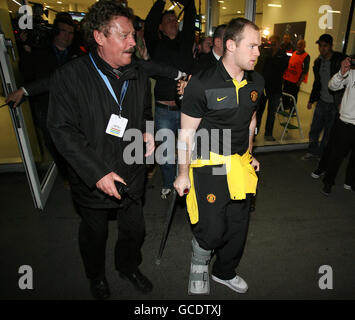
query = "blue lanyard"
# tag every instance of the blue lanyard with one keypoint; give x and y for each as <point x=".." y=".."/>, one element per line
<point x="109" y="87"/>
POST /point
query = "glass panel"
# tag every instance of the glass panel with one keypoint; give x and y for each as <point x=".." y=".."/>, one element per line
<point x="350" y="50"/>
<point x="31" y="113"/>
<point x="37" y="161"/>
<point x="307" y="20"/>
<point x="225" y="10"/>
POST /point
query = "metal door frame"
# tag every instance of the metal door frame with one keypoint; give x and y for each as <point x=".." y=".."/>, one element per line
<point x="40" y="191"/>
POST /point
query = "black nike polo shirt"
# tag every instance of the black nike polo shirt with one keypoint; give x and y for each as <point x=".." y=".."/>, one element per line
<point x="212" y="96"/>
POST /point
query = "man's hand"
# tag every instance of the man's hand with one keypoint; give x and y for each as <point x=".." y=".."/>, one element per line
<point x="107" y="184"/>
<point x="345" y="65"/>
<point x="181" y="184"/>
<point x="150" y="144"/>
<point x="15" y="96"/>
<point x="181" y="85"/>
<point x="309" y="105"/>
<point x="255" y="164"/>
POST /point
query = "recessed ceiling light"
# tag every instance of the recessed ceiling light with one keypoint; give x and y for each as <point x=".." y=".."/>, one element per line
<point x="239" y="11"/>
<point x="224" y="8"/>
<point x="59" y="2"/>
<point x="221" y="1"/>
<point x="274" y="5"/>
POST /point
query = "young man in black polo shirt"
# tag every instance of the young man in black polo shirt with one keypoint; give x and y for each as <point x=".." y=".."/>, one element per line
<point x="221" y="101"/>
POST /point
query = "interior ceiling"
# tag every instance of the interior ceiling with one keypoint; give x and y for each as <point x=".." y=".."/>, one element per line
<point x="64" y="5"/>
<point x="231" y="6"/>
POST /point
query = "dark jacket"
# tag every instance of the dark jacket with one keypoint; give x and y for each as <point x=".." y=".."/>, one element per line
<point x="36" y="69"/>
<point x="80" y="107"/>
<point x="154" y="69"/>
<point x="272" y="67"/>
<point x="203" y="62"/>
<point x="335" y="63"/>
<point x="176" y="52"/>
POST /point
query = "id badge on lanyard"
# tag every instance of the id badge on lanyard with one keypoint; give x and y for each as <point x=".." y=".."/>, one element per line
<point x="117" y="124"/>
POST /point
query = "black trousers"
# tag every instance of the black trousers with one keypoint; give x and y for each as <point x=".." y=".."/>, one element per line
<point x="323" y="162"/>
<point x="292" y="89"/>
<point x="93" y="232"/>
<point x="223" y="223"/>
<point x="344" y="142"/>
<point x="274" y="101"/>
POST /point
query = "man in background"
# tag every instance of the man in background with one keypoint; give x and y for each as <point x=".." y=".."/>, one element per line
<point x="325" y="66"/>
<point x="296" y="73"/>
<point x="167" y="44"/>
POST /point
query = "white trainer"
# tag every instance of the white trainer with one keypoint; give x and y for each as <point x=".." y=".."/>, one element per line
<point x="347" y="187"/>
<point x="236" y="284"/>
<point x="199" y="279"/>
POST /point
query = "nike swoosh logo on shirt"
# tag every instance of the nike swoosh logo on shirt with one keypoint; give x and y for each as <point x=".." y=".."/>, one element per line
<point x="220" y="99"/>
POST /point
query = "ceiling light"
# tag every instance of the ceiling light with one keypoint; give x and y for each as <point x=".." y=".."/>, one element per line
<point x="274" y="5"/>
<point x="239" y="11"/>
<point x="172" y="7"/>
<point x="17" y="3"/>
<point x="224" y="8"/>
<point x="59" y="2"/>
<point x="221" y="1"/>
<point x="333" y="11"/>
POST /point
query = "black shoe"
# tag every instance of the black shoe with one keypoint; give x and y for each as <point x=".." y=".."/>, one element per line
<point x="140" y="281"/>
<point x="327" y="189"/>
<point x="99" y="289"/>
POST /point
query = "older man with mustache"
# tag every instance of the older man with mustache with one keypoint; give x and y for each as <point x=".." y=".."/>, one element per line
<point x="93" y="102"/>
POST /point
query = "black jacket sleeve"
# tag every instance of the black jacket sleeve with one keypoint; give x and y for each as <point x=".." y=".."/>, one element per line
<point x="188" y="34"/>
<point x="158" y="69"/>
<point x="315" y="93"/>
<point x="148" y="114"/>
<point x="64" y="126"/>
<point x="37" y="86"/>
<point x="151" y="26"/>
<point x="306" y="63"/>
<point x="188" y="28"/>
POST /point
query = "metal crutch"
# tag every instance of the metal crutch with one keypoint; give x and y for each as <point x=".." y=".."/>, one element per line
<point x="169" y="218"/>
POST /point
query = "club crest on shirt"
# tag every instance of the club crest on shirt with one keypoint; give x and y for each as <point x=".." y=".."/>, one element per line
<point x="254" y="95"/>
<point x="211" y="198"/>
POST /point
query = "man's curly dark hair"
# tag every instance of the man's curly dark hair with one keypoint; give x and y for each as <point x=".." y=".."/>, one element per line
<point x="99" y="17"/>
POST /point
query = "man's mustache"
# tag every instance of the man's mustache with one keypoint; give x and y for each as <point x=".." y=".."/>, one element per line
<point x="130" y="50"/>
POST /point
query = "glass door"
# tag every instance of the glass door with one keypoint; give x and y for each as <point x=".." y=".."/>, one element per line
<point x="40" y="173"/>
